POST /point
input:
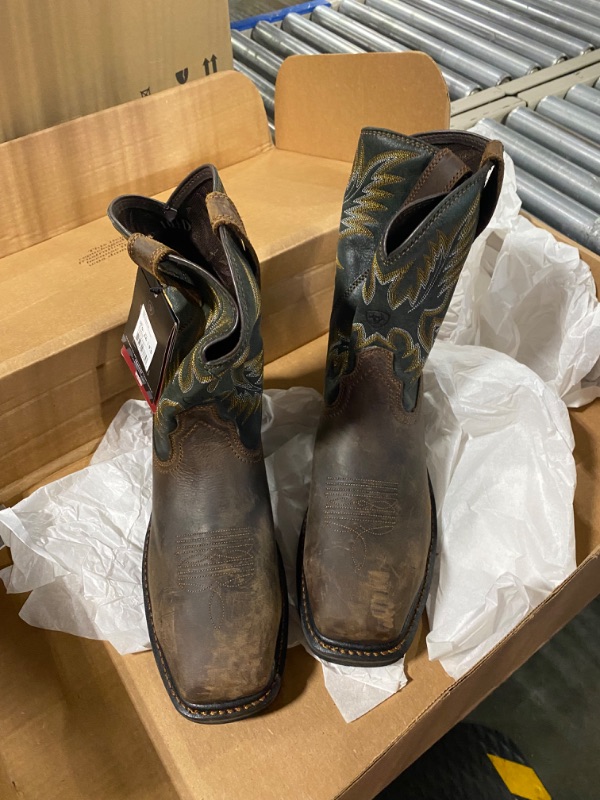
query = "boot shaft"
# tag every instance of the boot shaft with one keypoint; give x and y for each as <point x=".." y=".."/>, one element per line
<point x="195" y="244"/>
<point x="412" y="209"/>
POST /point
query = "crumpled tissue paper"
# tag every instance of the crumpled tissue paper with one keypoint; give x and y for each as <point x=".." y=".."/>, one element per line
<point x="521" y="339"/>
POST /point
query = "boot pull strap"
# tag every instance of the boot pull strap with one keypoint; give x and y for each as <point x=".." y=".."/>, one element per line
<point x="493" y="156"/>
<point x="221" y="211"/>
<point x="147" y="253"/>
<point x="443" y="173"/>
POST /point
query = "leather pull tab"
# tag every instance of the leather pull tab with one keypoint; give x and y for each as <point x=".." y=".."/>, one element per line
<point x="147" y="253"/>
<point x="442" y="174"/>
<point x="221" y="211"/>
<point x="493" y="155"/>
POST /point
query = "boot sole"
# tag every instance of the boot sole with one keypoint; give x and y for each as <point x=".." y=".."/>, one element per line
<point x="219" y="713"/>
<point x="354" y="654"/>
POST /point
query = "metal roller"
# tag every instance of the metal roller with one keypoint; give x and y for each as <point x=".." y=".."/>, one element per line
<point x="567" y="216"/>
<point x="591" y="5"/>
<point x="557" y="20"/>
<point x="265" y="87"/>
<point x="279" y="41"/>
<point x="255" y="55"/>
<point x="318" y="37"/>
<point x="584" y="97"/>
<point x="493" y="31"/>
<point x="516" y="65"/>
<point x="458" y="86"/>
<point x="552" y="136"/>
<point x="570" y="10"/>
<point x="571" y="45"/>
<point x="576" y="119"/>
<point x="444" y="54"/>
<point x="574" y="181"/>
<point x="353" y="31"/>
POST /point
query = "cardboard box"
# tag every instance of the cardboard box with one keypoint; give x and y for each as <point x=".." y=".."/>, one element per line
<point x="60" y="59"/>
<point x="79" y="722"/>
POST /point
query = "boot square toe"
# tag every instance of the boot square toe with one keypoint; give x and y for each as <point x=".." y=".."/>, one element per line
<point x="359" y="622"/>
<point x="228" y="676"/>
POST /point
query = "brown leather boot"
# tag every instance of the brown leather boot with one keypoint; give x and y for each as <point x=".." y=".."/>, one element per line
<point x="214" y="587"/>
<point x="411" y="211"/>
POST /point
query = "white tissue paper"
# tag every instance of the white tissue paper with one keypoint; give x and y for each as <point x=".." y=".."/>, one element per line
<point x="521" y="338"/>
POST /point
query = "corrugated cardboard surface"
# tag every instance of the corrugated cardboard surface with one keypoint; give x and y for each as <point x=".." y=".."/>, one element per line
<point x="60" y="59"/>
<point x="408" y="96"/>
<point x="66" y="281"/>
<point x="79" y="722"/>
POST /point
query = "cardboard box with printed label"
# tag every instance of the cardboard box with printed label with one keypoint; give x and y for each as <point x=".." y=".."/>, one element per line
<point x="79" y="720"/>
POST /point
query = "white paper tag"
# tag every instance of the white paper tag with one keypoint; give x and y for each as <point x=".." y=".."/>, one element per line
<point x="144" y="338"/>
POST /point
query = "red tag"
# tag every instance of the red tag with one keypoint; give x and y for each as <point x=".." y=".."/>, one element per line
<point x="138" y="380"/>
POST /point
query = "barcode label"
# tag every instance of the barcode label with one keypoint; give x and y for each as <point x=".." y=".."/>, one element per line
<point x="144" y="338"/>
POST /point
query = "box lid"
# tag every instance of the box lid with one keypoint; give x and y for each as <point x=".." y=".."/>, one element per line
<point x="322" y="102"/>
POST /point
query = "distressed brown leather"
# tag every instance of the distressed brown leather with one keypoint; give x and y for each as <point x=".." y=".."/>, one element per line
<point x="212" y="564"/>
<point x="411" y="211"/>
<point x="147" y="253"/>
<point x="373" y="508"/>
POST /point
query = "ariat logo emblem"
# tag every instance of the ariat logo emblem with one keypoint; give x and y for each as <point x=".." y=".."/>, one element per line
<point x="377" y="319"/>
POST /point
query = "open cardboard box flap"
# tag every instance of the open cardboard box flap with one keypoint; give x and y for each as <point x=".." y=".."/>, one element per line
<point x="81" y="721"/>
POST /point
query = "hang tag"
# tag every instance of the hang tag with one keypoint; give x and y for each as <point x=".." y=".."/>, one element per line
<point x="149" y="336"/>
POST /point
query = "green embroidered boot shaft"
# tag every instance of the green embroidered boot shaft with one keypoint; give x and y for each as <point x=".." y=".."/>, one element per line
<point x="410" y="214"/>
<point x="196" y="246"/>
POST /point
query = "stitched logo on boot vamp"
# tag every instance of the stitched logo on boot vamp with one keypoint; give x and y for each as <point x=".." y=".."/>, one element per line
<point x="357" y="509"/>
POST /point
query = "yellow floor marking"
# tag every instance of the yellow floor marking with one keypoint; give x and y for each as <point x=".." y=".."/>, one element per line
<point x="519" y="779"/>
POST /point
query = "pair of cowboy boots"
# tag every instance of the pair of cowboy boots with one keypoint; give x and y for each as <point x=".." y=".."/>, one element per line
<point x="214" y="586"/>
